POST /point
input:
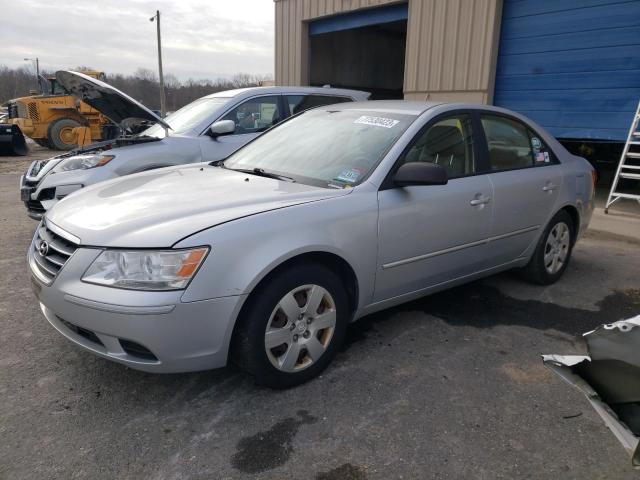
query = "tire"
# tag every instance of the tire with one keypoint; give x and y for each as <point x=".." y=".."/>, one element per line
<point x="308" y="345"/>
<point x="556" y="244"/>
<point x="59" y="134"/>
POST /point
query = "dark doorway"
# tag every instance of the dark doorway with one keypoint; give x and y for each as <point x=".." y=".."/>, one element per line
<point x="367" y="58"/>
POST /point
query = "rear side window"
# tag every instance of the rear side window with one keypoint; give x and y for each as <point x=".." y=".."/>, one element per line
<point x="512" y="145"/>
<point x="300" y="103"/>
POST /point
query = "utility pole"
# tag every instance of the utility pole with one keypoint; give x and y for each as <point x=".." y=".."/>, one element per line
<point x="37" y="62"/>
<point x="163" y="108"/>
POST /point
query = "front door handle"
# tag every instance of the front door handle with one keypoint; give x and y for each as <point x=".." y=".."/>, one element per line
<point x="481" y="200"/>
<point x="549" y="187"/>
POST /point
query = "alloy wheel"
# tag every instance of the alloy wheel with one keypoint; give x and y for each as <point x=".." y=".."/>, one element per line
<point x="556" y="248"/>
<point x="300" y="328"/>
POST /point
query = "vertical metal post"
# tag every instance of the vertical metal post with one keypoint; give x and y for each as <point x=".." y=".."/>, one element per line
<point x="163" y="108"/>
<point x="38" y="74"/>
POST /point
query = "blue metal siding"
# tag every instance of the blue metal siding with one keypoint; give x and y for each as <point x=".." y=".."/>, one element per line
<point x="573" y="66"/>
<point x="361" y="18"/>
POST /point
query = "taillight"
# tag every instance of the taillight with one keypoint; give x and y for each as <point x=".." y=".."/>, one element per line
<point x="594" y="177"/>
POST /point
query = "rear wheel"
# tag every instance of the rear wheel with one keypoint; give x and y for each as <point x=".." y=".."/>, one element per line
<point x="61" y="135"/>
<point x="553" y="252"/>
<point x="292" y="326"/>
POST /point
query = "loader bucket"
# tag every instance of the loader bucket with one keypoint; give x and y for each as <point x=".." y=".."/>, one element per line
<point x="12" y="141"/>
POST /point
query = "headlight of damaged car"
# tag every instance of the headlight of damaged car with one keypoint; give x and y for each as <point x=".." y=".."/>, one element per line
<point x="84" y="162"/>
<point x="144" y="269"/>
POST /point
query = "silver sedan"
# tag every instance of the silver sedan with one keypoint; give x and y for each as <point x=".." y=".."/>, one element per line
<point x="208" y="129"/>
<point x="264" y="258"/>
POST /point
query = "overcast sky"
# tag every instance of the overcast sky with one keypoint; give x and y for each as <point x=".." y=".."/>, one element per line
<point x="200" y="38"/>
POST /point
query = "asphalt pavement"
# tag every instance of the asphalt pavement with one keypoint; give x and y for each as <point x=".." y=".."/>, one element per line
<point x="450" y="386"/>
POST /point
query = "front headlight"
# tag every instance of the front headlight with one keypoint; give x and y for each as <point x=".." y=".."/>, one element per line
<point x="84" y="162"/>
<point x="144" y="269"/>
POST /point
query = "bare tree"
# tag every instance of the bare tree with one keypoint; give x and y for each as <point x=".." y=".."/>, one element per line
<point x="142" y="85"/>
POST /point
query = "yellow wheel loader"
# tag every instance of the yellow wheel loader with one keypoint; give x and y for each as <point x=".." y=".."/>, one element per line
<point x="58" y="120"/>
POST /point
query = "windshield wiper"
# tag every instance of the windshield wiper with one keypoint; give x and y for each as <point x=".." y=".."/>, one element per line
<point x="261" y="172"/>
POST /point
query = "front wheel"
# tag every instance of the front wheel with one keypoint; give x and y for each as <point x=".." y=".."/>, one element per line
<point x="553" y="252"/>
<point x="292" y="326"/>
<point x="60" y="134"/>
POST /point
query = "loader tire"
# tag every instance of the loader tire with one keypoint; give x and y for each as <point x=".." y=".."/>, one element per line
<point x="60" y="134"/>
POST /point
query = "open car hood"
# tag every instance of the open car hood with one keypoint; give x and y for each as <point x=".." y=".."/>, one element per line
<point x="112" y="103"/>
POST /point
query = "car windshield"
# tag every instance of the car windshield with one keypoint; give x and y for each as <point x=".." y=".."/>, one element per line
<point x="188" y="116"/>
<point x="334" y="149"/>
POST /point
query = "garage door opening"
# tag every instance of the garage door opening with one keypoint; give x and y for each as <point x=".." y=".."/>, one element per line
<point x="361" y="50"/>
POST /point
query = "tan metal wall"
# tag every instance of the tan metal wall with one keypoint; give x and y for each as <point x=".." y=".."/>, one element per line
<point x="452" y="49"/>
<point x="451" y="45"/>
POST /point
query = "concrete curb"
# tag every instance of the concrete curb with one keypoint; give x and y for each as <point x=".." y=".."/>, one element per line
<point x="623" y="226"/>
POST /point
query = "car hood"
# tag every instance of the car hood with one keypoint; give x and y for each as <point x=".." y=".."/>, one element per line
<point x="160" y="207"/>
<point x="111" y="102"/>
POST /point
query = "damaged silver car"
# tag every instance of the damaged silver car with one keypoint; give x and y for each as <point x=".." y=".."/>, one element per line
<point x="208" y="129"/>
<point x="610" y="378"/>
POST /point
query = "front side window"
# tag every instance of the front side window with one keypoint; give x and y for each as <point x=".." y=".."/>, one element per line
<point x="300" y="103"/>
<point x="255" y="115"/>
<point x="334" y="149"/>
<point x="448" y="142"/>
<point x="513" y="145"/>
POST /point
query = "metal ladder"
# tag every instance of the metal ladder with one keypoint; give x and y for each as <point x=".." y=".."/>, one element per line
<point x="629" y="166"/>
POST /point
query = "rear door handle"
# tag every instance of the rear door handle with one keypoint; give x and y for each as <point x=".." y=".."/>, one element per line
<point x="479" y="201"/>
<point x="549" y="187"/>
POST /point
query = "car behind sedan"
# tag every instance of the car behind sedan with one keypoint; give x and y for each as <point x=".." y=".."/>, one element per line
<point x="189" y="135"/>
<point x="344" y="210"/>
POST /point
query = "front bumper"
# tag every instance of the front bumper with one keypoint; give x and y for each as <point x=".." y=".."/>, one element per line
<point x="39" y="200"/>
<point x="35" y="209"/>
<point x="150" y="331"/>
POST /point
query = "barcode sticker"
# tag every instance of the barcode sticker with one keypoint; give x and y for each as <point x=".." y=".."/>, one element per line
<point x="377" y="121"/>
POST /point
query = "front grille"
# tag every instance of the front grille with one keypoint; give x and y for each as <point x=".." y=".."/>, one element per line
<point x="51" y="252"/>
<point x="33" y="111"/>
<point x="35" y="206"/>
<point x="35" y="167"/>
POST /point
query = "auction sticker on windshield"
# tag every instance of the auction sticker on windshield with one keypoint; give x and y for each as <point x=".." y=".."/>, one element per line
<point x="377" y="121"/>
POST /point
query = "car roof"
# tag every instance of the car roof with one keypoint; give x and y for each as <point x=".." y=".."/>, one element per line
<point x="357" y="94"/>
<point x="407" y="107"/>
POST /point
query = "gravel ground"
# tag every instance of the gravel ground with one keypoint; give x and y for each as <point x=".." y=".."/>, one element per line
<point x="450" y="386"/>
<point x="10" y="165"/>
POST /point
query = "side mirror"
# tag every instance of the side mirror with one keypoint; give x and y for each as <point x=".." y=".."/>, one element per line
<point x="222" y="127"/>
<point x="420" y="173"/>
